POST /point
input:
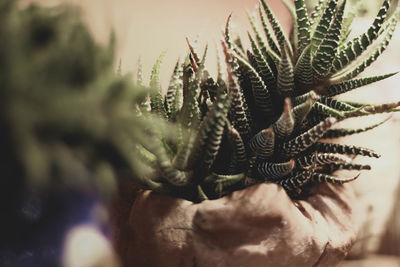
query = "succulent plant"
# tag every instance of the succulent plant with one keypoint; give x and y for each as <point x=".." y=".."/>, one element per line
<point x="68" y="121"/>
<point x="268" y="120"/>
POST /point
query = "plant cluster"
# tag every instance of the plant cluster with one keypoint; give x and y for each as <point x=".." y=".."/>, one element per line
<point x="68" y="121"/>
<point x="268" y="120"/>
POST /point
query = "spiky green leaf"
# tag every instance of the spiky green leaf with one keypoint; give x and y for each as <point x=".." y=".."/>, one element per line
<point x="210" y="133"/>
<point x="262" y="144"/>
<point x="345" y="149"/>
<point x="347" y="166"/>
<point x="326" y="51"/>
<point x="336" y="104"/>
<point x="301" y="111"/>
<point x="325" y="178"/>
<point x="325" y="110"/>
<point x="260" y="91"/>
<point x="321" y="159"/>
<point x="285" y="82"/>
<point x="175" y="85"/>
<point x="156" y="99"/>
<point x="283" y="41"/>
<point x="346" y="86"/>
<point x="283" y="127"/>
<point x="303" y="25"/>
<point x="238" y="111"/>
<point x="358" y="45"/>
<point x="272" y="171"/>
<point x="323" y="26"/>
<point x="294" y="183"/>
<point x="270" y="39"/>
<point x="239" y="156"/>
<point x="317" y="12"/>
<point x="354" y="71"/>
<point x="264" y="69"/>
<point x="303" y="73"/>
<point x="336" y="133"/>
<point x="307" y="139"/>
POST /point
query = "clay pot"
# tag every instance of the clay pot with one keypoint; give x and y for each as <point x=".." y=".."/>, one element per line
<point x="257" y="226"/>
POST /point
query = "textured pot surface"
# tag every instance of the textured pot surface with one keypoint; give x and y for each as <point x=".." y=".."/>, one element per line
<point x="258" y="226"/>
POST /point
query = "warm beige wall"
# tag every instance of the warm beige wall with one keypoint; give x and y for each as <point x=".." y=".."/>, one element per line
<point x="147" y="27"/>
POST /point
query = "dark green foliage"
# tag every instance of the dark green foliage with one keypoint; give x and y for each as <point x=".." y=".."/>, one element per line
<point x="266" y="122"/>
<point x="64" y="109"/>
<point x="68" y="123"/>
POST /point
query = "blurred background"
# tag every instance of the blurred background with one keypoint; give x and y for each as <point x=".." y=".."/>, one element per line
<point x="145" y="28"/>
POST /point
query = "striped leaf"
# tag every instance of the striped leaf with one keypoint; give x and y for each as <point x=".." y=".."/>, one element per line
<point x="352" y="49"/>
<point x="345" y="149"/>
<point x="276" y="27"/>
<point x="228" y="38"/>
<point x="175" y="85"/>
<point x="260" y="41"/>
<point x="336" y="104"/>
<point x="193" y="52"/>
<point x="317" y="13"/>
<point x="303" y="73"/>
<point x="346" y="86"/>
<point x="377" y="109"/>
<point x="304" y="97"/>
<point x="263" y="68"/>
<point x="294" y="34"/>
<point x="239" y="44"/>
<point x="190" y="112"/>
<point x="222" y="182"/>
<point x="354" y="71"/>
<point x="325" y="110"/>
<point x="208" y="87"/>
<point x="171" y="174"/>
<point x="321" y="159"/>
<point x="262" y="144"/>
<point x="336" y="133"/>
<point x="209" y="135"/>
<point x="156" y="99"/>
<point x="270" y="56"/>
<point x="355" y="104"/>
<point x="301" y="111"/>
<point x="145" y="104"/>
<point x="270" y="39"/>
<point x="293" y="184"/>
<point x="285" y="82"/>
<point x="303" y="25"/>
<point x="307" y="139"/>
<point x="239" y="157"/>
<point x="238" y="111"/>
<point x="272" y="171"/>
<point x="325" y="54"/>
<point x="181" y="158"/>
<point x="323" y="26"/>
<point x="283" y="127"/>
<point x="261" y="94"/>
<point x="325" y="178"/>
<point x="347" y="166"/>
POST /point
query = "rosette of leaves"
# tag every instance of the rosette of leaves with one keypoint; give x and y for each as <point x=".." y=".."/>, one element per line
<point x="266" y="122"/>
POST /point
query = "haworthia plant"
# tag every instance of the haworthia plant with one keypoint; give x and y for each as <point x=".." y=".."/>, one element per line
<point x="266" y="122"/>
